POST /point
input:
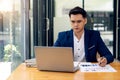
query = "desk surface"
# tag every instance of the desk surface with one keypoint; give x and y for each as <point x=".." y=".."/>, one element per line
<point x="25" y="73"/>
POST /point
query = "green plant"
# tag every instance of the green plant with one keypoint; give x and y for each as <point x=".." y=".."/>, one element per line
<point x="11" y="52"/>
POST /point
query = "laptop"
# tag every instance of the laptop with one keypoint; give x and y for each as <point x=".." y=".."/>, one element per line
<point x="55" y="59"/>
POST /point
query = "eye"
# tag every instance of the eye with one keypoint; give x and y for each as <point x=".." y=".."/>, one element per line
<point x="79" y="21"/>
<point x="73" y="21"/>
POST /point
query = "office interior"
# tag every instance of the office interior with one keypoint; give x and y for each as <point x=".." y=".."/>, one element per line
<point x="28" y="23"/>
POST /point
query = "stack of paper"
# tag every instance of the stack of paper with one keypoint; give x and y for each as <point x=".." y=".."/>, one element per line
<point x="30" y="62"/>
<point x="94" y="67"/>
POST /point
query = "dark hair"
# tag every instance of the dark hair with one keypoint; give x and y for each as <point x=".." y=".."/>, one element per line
<point x="78" y="10"/>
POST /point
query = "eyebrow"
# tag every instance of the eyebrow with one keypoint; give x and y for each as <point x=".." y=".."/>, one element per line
<point x="76" y="21"/>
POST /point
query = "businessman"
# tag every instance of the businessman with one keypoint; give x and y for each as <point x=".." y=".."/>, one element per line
<point x="85" y="43"/>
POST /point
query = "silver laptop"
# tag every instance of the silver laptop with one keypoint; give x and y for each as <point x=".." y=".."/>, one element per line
<point x="55" y="59"/>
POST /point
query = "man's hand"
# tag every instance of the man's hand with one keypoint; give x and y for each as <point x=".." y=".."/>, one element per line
<point x="102" y="61"/>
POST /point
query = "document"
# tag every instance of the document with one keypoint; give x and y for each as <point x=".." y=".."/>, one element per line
<point x="94" y="67"/>
<point x="31" y="62"/>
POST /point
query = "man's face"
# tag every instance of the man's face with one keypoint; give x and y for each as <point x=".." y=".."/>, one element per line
<point x="78" y="22"/>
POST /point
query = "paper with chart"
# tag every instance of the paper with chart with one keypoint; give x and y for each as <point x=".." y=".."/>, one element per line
<point x="94" y="67"/>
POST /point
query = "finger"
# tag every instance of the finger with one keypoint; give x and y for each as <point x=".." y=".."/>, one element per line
<point x="99" y="59"/>
<point x="103" y="62"/>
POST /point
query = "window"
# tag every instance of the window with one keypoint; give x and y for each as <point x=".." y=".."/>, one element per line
<point x="10" y="36"/>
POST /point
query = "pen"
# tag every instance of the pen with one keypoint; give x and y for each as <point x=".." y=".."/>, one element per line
<point x="101" y="60"/>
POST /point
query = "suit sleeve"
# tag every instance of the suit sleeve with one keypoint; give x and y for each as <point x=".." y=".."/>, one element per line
<point x="58" y="41"/>
<point x="103" y="50"/>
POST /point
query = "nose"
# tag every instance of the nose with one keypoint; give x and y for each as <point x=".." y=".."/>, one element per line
<point x="75" y="24"/>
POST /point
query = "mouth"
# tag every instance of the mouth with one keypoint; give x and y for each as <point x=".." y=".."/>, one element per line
<point x="76" y="28"/>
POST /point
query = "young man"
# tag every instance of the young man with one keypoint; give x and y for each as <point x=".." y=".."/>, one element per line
<point x="85" y="43"/>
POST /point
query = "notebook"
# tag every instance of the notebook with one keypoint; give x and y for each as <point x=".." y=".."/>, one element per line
<point x="55" y="59"/>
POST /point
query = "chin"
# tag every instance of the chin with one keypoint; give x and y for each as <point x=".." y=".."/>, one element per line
<point x="76" y="30"/>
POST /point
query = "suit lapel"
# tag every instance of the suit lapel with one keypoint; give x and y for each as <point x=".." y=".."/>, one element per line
<point x="86" y="37"/>
<point x="70" y="42"/>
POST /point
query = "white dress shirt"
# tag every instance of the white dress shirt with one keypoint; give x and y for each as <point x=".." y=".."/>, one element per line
<point x="79" y="50"/>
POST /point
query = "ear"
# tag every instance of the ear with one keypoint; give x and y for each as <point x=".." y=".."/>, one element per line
<point x="85" y="20"/>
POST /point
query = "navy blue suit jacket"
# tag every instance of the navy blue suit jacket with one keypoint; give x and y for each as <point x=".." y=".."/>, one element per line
<point x="92" y="41"/>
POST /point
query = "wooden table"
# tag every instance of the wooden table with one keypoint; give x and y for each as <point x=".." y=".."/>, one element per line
<point x="25" y="73"/>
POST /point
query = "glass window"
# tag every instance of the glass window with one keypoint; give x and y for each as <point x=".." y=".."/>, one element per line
<point x="10" y="36"/>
